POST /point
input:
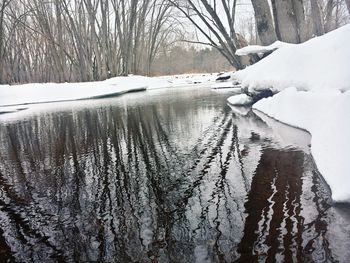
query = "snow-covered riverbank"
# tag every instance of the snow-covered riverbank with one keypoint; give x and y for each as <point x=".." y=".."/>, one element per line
<point x="20" y="95"/>
<point x="320" y="103"/>
<point x="327" y="117"/>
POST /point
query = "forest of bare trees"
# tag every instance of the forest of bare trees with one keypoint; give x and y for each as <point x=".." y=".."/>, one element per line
<point x="81" y="40"/>
<point x="85" y="40"/>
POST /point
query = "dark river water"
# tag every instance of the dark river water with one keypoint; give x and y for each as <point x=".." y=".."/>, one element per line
<point x="162" y="176"/>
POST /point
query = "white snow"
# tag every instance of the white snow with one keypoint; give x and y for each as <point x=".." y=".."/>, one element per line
<point x="320" y="63"/>
<point x="326" y="115"/>
<point x="52" y="92"/>
<point x="189" y="79"/>
<point x="257" y="49"/>
<point x="313" y="81"/>
<point x="240" y="100"/>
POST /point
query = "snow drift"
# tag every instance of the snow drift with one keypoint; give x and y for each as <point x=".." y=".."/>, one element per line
<point x="50" y="92"/>
<point x="53" y="92"/>
<point x="313" y="81"/>
<point x="320" y="63"/>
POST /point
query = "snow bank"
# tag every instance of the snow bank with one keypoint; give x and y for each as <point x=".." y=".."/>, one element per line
<point x="320" y="103"/>
<point x="50" y="92"/>
<point x="240" y="100"/>
<point x="318" y="64"/>
<point x="134" y="81"/>
<point x="326" y="115"/>
<point x="53" y="92"/>
<point x="256" y="49"/>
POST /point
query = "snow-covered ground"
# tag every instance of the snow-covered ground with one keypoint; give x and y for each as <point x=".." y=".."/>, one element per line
<point x="49" y="92"/>
<point x="313" y="81"/>
<point x="11" y="95"/>
<point x="189" y="79"/>
<point x="318" y="64"/>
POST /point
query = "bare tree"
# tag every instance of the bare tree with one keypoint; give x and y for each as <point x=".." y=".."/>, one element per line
<point x="329" y="15"/>
<point x="80" y="40"/>
<point x="218" y="36"/>
<point x="3" y="6"/>
<point x="155" y="34"/>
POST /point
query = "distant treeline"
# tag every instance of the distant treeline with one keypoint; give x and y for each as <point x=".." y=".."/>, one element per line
<point x="189" y="60"/>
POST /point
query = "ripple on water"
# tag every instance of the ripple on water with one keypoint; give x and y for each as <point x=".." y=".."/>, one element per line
<point x="163" y="177"/>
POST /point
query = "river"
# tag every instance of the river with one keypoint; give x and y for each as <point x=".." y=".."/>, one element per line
<point x="162" y="176"/>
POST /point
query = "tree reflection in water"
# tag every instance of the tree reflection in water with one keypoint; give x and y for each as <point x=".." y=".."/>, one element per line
<point x="160" y="181"/>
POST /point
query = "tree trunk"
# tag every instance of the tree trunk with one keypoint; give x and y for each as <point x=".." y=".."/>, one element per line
<point x="264" y="24"/>
<point x="275" y="20"/>
<point x="299" y="12"/>
<point x="104" y="42"/>
<point x="1" y="49"/>
<point x="318" y="28"/>
<point x="286" y="20"/>
<point x="2" y="39"/>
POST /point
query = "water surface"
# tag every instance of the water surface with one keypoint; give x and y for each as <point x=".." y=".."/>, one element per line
<point x="162" y="176"/>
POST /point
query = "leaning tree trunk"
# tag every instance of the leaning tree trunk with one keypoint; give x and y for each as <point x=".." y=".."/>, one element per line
<point x="264" y="23"/>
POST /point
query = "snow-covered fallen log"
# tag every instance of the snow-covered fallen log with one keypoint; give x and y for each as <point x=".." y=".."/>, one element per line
<point x="260" y="50"/>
